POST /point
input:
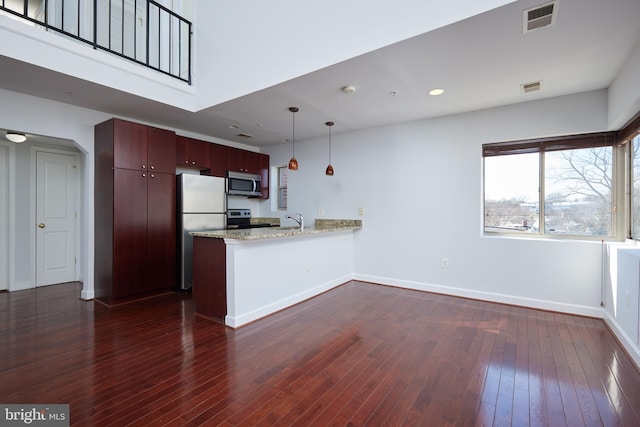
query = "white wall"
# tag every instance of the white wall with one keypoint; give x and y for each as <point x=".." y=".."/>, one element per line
<point x="421" y="186"/>
<point x="316" y="33"/>
<point x="624" y="92"/>
<point x="38" y="116"/>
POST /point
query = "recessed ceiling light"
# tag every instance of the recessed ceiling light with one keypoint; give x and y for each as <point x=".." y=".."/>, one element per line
<point x="348" y="89"/>
<point x="436" y="92"/>
<point x="233" y="126"/>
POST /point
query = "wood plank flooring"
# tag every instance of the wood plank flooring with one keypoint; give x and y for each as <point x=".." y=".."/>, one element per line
<point x="359" y="355"/>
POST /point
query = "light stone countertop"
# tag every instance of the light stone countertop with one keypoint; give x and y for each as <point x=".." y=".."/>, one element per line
<point x="321" y="226"/>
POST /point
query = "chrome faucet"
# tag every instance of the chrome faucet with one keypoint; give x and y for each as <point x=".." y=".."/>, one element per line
<point x="299" y="220"/>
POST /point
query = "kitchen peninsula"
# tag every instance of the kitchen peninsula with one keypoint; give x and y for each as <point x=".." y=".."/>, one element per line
<point x="240" y="276"/>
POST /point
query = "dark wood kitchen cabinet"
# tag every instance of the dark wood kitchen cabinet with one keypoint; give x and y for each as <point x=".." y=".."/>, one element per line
<point x="193" y="153"/>
<point x="250" y="162"/>
<point x="218" y="161"/>
<point x="242" y="160"/>
<point x="135" y="217"/>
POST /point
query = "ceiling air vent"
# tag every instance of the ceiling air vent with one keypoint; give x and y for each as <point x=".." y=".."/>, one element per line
<point x="531" y="87"/>
<point x="245" y="135"/>
<point x="539" y="17"/>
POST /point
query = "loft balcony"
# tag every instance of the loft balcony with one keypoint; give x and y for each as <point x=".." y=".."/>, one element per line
<point x="142" y="31"/>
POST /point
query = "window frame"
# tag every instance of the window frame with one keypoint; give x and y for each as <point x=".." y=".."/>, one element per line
<point x="626" y="135"/>
<point x="552" y="144"/>
<point x="282" y="205"/>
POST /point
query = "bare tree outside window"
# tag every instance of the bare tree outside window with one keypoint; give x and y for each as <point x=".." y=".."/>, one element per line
<point x="576" y="195"/>
<point x="578" y="188"/>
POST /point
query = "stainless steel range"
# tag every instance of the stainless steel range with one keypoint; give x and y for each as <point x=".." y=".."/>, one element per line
<point x="241" y="218"/>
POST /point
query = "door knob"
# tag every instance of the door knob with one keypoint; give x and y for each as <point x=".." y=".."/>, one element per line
<point x="41" y="225"/>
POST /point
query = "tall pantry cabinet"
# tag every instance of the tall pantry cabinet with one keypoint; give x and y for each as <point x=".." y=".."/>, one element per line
<point x="135" y="215"/>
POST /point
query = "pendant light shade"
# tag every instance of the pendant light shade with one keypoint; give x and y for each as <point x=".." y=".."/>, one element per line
<point x="293" y="163"/>
<point x="329" y="171"/>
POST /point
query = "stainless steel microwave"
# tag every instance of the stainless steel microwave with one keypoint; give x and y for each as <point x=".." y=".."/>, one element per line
<point x="243" y="184"/>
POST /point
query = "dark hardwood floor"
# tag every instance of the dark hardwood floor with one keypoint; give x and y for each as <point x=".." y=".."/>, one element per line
<point x="358" y="355"/>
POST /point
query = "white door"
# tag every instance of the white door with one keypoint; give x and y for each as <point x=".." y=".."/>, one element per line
<point x="4" y="218"/>
<point x="56" y="192"/>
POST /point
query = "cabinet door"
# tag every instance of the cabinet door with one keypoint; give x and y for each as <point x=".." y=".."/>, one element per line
<point x="129" y="145"/>
<point x="263" y="160"/>
<point x="251" y="162"/>
<point x="199" y="154"/>
<point x="234" y="159"/>
<point x="161" y="231"/>
<point x="129" y="232"/>
<point x="218" y="160"/>
<point x="182" y="151"/>
<point x="161" y="150"/>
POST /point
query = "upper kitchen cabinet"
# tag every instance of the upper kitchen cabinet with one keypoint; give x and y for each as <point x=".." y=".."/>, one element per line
<point x="193" y="153"/>
<point x="140" y="147"/>
<point x="243" y="161"/>
<point x="218" y="160"/>
<point x="250" y="162"/>
<point x="263" y="162"/>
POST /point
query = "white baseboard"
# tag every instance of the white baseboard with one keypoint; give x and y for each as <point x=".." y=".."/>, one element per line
<point x="624" y="339"/>
<point x="487" y="296"/>
<point x="87" y="295"/>
<point x="265" y="310"/>
<point x="21" y="286"/>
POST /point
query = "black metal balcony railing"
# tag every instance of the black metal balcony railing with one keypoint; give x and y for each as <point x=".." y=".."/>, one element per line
<point x="142" y="31"/>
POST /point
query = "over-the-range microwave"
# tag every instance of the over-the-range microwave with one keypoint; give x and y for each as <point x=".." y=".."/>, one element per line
<point x="243" y="184"/>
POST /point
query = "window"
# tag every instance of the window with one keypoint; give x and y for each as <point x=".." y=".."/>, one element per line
<point x="283" y="175"/>
<point x="630" y="137"/>
<point x="634" y="147"/>
<point x="553" y="186"/>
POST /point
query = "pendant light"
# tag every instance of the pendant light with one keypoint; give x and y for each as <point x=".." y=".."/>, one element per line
<point x="329" y="170"/>
<point x="293" y="163"/>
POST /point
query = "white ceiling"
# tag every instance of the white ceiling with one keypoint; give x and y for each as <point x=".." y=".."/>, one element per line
<point x="479" y="62"/>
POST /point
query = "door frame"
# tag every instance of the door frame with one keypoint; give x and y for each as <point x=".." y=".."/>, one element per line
<point x="11" y="215"/>
<point x="32" y="208"/>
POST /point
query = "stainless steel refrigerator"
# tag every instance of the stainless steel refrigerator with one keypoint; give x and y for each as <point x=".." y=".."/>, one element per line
<point x="202" y="205"/>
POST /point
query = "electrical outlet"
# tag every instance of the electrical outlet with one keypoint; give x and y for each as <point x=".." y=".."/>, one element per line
<point x="445" y="262"/>
<point x="361" y="211"/>
<point x="627" y="299"/>
<point x="320" y="212"/>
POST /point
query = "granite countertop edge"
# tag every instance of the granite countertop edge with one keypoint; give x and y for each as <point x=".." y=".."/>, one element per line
<point x="321" y="226"/>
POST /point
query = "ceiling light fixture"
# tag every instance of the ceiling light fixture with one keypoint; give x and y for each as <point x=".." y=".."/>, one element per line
<point x="293" y="163"/>
<point x="329" y="170"/>
<point x="436" y="92"/>
<point x="16" y="137"/>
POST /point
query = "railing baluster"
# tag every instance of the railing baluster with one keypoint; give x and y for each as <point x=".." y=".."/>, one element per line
<point x="135" y="29"/>
<point x="122" y="15"/>
<point x="148" y="26"/>
<point x="159" y="39"/>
